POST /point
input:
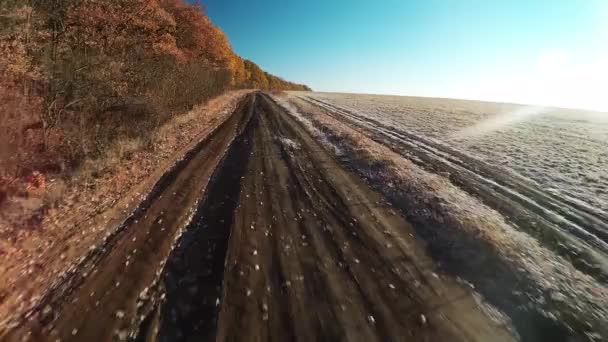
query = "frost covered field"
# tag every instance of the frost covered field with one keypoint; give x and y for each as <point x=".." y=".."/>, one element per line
<point x="513" y="199"/>
<point x="564" y="151"/>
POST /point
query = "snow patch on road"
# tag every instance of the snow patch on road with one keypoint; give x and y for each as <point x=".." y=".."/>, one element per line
<point x="290" y="144"/>
<point x="308" y="124"/>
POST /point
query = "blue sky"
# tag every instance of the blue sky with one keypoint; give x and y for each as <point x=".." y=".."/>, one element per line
<point x="528" y="51"/>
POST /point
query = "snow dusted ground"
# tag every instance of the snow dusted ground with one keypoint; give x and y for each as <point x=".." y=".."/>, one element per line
<point x="564" y="151"/>
<point x="539" y="259"/>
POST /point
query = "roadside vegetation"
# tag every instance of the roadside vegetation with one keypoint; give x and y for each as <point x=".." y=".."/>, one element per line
<point x="80" y="77"/>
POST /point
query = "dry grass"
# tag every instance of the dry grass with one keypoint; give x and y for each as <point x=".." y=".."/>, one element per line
<point x="73" y="215"/>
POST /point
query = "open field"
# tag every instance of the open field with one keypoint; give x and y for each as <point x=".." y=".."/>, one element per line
<point x="421" y="154"/>
<point x="565" y="151"/>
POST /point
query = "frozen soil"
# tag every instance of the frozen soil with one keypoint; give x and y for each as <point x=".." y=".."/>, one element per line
<point x="563" y="150"/>
<point x="573" y="229"/>
<point x="549" y="281"/>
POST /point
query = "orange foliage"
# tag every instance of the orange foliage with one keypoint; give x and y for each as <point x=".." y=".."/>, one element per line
<point x="116" y="26"/>
<point x="195" y="36"/>
<point x="75" y="75"/>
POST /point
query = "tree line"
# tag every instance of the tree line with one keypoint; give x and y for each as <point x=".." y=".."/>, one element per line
<point x="77" y="75"/>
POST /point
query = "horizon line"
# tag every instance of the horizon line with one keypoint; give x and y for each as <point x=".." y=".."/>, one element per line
<point x="548" y="106"/>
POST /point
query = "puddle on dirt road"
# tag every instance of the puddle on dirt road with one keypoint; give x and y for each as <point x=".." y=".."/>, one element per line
<point x="194" y="272"/>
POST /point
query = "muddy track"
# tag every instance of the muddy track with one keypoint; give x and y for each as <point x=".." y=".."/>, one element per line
<point x="279" y="243"/>
<point x="312" y="254"/>
<point x="101" y="297"/>
<point x="573" y="231"/>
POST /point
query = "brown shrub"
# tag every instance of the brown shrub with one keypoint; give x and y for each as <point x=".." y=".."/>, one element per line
<point x="21" y="130"/>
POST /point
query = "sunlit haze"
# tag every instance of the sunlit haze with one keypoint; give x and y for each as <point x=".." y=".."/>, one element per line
<point x="550" y="53"/>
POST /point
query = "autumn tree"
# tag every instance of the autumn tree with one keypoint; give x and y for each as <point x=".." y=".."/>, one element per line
<point x="256" y="76"/>
<point x="22" y="85"/>
<point x="90" y="71"/>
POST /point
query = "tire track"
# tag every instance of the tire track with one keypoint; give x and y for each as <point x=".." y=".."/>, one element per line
<point x="313" y="256"/>
<point x="570" y="230"/>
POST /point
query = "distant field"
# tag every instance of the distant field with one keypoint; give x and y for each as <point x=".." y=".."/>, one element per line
<point x="565" y="151"/>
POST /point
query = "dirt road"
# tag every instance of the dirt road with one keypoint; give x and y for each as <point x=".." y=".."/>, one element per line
<point x="284" y="244"/>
